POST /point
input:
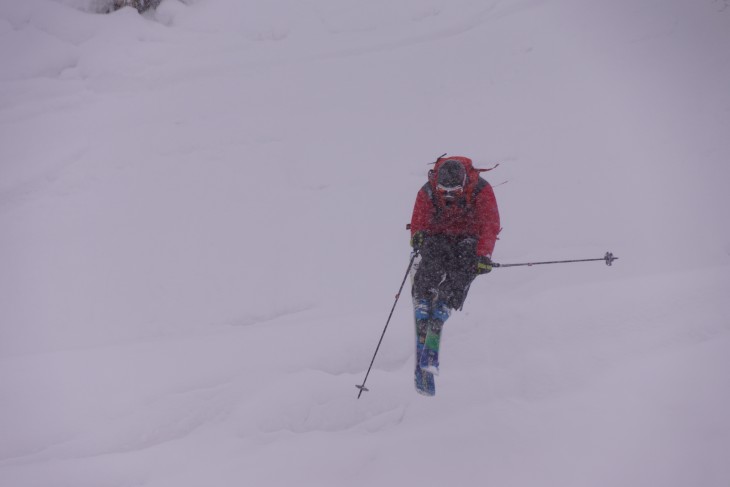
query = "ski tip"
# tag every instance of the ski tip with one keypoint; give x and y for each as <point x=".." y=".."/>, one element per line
<point x="424" y="382"/>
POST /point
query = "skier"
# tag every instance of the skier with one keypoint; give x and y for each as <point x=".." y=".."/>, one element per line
<point x="454" y="227"/>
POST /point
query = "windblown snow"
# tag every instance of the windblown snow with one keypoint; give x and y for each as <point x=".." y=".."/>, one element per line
<point x="202" y="231"/>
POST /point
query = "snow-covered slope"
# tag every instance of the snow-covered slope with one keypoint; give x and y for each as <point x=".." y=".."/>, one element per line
<point x="202" y="229"/>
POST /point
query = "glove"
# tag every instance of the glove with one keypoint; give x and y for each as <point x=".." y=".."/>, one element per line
<point x="417" y="240"/>
<point x="484" y="265"/>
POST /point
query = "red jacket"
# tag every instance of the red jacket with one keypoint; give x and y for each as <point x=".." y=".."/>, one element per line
<point x="474" y="215"/>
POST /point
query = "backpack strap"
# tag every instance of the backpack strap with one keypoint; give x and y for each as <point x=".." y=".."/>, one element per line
<point x="428" y="189"/>
<point x="481" y="184"/>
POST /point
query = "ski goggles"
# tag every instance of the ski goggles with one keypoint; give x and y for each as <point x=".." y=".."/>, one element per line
<point x="451" y="178"/>
<point x="450" y="191"/>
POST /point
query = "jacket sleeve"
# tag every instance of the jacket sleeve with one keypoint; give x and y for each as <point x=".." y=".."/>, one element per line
<point x="422" y="213"/>
<point x="487" y="215"/>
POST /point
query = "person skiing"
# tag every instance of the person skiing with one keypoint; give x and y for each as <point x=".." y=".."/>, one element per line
<point x="454" y="228"/>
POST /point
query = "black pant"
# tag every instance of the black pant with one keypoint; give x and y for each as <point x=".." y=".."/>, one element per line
<point x="447" y="267"/>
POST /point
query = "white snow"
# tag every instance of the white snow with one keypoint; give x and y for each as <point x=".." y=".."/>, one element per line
<point x="202" y="230"/>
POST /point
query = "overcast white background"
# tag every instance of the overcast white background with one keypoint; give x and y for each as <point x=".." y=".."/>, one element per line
<point x="202" y="231"/>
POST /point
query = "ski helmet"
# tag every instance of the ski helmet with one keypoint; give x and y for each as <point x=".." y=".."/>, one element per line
<point x="451" y="179"/>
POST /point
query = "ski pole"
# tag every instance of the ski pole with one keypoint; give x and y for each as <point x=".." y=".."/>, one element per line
<point x="608" y="259"/>
<point x="362" y="386"/>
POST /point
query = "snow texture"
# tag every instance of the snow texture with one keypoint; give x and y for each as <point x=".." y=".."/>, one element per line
<point x="202" y="229"/>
